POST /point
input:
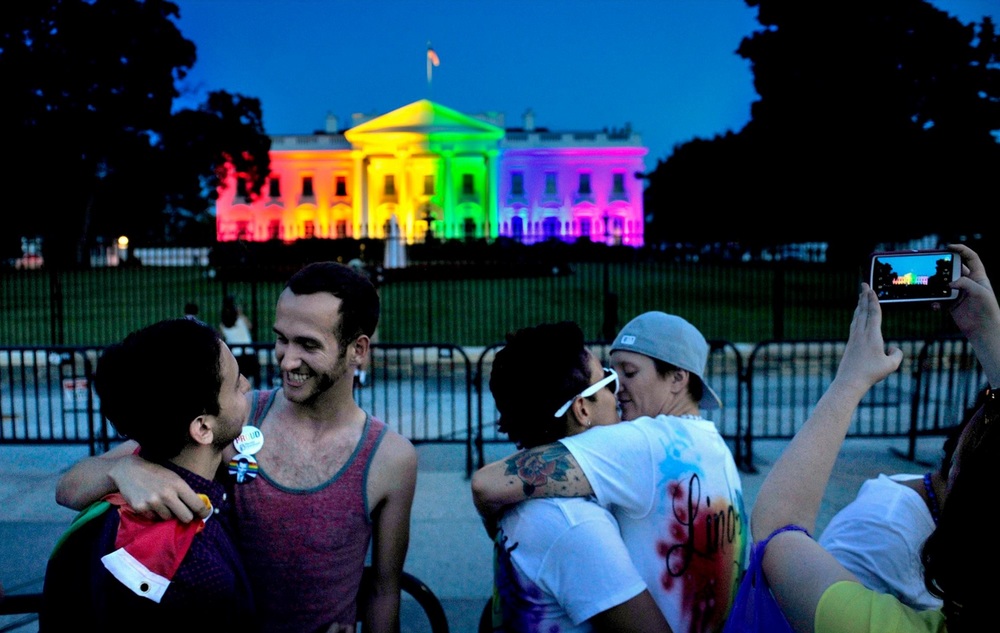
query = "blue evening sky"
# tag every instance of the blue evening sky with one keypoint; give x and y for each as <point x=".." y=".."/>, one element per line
<point x="667" y="67"/>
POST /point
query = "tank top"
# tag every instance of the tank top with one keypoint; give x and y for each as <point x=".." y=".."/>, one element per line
<point x="305" y="549"/>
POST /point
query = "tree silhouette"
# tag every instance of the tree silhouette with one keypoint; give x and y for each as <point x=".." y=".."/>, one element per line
<point x="89" y="88"/>
<point x="876" y="122"/>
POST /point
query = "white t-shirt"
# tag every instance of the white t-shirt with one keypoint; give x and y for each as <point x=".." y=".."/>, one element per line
<point x="673" y="486"/>
<point x="237" y="334"/>
<point x="878" y="537"/>
<point x="565" y="563"/>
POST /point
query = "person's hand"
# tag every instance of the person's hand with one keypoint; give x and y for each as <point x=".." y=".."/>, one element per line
<point x="866" y="360"/>
<point x="976" y="306"/>
<point x="152" y="490"/>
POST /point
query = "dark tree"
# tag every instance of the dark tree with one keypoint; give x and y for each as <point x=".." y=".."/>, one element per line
<point x="876" y="121"/>
<point x="201" y="147"/>
<point x="89" y="88"/>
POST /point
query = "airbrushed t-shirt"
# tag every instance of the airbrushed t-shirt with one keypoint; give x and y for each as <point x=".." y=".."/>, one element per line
<point x="673" y="486"/>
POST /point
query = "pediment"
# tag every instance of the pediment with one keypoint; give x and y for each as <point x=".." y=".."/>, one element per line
<point x="426" y="119"/>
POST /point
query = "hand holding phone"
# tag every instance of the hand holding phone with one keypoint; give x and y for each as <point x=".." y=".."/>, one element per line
<point x="917" y="275"/>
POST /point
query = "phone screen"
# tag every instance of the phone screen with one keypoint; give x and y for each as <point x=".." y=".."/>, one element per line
<point x="914" y="276"/>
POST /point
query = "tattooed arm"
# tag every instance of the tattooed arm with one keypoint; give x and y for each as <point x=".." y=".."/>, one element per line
<point x="544" y="471"/>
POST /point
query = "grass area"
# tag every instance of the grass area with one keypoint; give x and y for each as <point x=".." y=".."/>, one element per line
<point x="736" y="303"/>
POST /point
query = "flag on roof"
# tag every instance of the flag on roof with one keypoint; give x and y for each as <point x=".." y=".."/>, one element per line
<point x="432" y="61"/>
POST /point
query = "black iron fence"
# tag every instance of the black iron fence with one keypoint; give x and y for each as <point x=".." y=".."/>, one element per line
<point x="437" y="393"/>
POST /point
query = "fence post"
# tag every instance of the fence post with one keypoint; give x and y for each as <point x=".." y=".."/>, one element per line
<point x="57" y="322"/>
<point x="778" y="303"/>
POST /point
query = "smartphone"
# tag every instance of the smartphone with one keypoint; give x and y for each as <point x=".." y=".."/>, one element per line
<point x="918" y="275"/>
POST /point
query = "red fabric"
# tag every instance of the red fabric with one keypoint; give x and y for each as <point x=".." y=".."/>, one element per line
<point x="159" y="545"/>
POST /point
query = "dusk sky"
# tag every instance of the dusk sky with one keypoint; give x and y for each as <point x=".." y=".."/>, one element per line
<point x="667" y="67"/>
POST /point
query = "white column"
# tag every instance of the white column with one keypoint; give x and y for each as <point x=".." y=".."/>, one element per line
<point x="448" y="211"/>
<point x="359" y="197"/>
<point x="492" y="192"/>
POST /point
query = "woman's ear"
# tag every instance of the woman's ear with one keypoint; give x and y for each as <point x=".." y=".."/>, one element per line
<point x="581" y="414"/>
<point x="679" y="381"/>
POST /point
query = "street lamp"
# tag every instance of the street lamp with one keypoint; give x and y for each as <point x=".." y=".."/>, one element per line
<point x="122" y="249"/>
<point x="610" y="324"/>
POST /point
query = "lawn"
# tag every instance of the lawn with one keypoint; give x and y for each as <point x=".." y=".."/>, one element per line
<point x="736" y="303"/>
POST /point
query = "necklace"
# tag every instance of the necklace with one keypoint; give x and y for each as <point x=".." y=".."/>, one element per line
<point x="935" y="509"/>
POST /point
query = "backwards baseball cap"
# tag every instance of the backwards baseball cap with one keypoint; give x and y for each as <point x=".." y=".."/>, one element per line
<point x="673" y="340"/>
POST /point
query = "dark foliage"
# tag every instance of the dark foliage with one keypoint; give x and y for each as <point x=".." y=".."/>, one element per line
<point x="89" y="89"/>
<point x="876" y="122"/>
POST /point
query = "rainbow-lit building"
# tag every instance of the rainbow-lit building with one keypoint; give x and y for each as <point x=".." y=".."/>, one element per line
<point x="427" y="169"/>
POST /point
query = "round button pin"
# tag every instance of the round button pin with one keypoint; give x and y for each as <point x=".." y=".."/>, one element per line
<point x="243" y="467"/>
<point x="249" y="440"/>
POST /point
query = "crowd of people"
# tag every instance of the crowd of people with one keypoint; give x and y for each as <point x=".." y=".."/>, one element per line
<point x="622" y="509"/>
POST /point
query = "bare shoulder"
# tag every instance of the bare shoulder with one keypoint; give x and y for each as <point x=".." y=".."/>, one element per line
<point x="394" y="469"/>
<point x="396" y="452"/>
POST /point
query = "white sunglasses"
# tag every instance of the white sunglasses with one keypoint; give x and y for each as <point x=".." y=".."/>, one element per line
<point x="610" y="375"/>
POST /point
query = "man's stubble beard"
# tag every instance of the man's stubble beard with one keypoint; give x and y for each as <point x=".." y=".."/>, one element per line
<point x="326" y="381"/>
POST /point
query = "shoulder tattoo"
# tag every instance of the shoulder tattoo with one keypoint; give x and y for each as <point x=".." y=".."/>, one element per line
<point x="536" y="467"/>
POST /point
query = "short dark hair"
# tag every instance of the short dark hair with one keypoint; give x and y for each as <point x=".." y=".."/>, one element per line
<point x="537" y="370"/>
<point x="695" y="386"/>
<point x="182" y="352"/>
<point x="359" y="308"/>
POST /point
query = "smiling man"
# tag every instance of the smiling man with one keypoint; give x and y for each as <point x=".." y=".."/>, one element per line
<point x="330" y="479"/>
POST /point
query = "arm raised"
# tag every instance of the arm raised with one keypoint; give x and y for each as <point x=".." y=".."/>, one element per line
<point x="799" y="569"/>
<point x="976" y="312"/>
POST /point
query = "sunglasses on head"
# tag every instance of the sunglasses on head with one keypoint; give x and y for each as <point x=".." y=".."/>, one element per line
<point x="610" y="376"/>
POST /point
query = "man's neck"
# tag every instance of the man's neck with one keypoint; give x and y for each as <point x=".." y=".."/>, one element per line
<point x="201" y="460"/>
<point x="331" y="408"/>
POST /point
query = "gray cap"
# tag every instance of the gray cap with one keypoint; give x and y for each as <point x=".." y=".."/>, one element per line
<point x="673" y="340"/>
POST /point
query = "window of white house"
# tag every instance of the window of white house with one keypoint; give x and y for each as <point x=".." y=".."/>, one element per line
<point x="618" y="183"/>
<point x="584" y="227"/>
<point x="429" y="185"/>
<point x="550" y="183"/>
<point x="274" y="187"/>
<point x="241" y="231"/>
<point x="309" y="229"/>
<point x="340" y="186"/>
<point x="274" y="230"/>
<point x="341" y="228"/>
<point x="517" y="183"/>
<point x="469" y="226"/>
<point x="307" y="186"/>
<point x="468" y="185"/>
<point x="389" y="186"/>
<point x="584" y="184"/>
<point x="517" y="227"/>
<point x="550" y="227"/>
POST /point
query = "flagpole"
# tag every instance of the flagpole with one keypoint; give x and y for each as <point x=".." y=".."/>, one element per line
<point x="432" y="60"/>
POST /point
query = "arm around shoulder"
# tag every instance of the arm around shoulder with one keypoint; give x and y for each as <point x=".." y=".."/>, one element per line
<point x="88" y="480"/>
<point x="149" y="488"/>
<point x="543" y="471"/>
